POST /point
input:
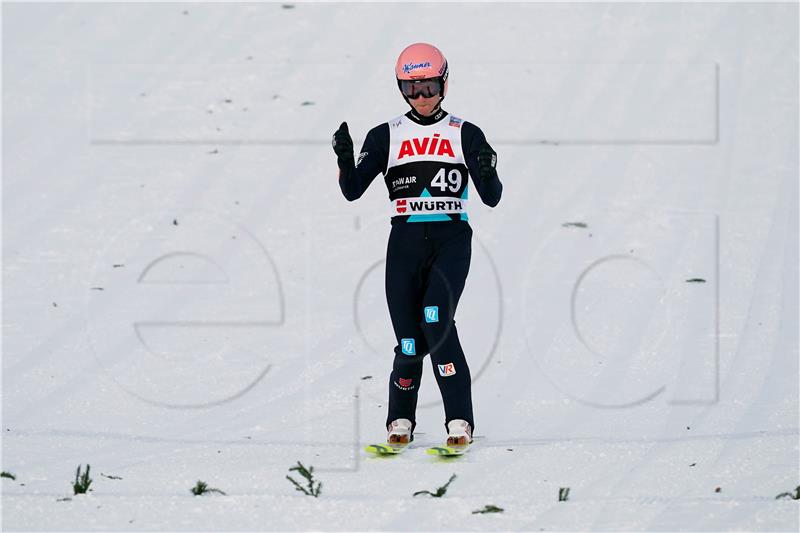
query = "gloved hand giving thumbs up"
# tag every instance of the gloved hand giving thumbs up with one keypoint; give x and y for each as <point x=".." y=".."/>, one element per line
<point x="343" y="146"/>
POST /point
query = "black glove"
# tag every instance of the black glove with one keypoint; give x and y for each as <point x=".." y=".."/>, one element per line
<point x="343" y="146"/>
<point x="487" y="162"/>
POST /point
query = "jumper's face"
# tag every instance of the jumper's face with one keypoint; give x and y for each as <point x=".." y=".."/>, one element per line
<point x="425" y="106"/>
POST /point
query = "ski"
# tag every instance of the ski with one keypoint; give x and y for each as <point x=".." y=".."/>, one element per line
<point x="386" y="449"/>
<point x="448" y="451"/>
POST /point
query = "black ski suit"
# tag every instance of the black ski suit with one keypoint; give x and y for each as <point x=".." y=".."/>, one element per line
<point x="425" y="162"/>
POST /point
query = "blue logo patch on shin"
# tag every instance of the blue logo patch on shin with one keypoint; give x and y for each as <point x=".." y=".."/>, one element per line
<point x="432" y="314"/>
<point x="408" y="347"/>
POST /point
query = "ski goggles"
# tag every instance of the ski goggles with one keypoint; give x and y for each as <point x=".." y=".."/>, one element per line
<point x="415" y="88"/>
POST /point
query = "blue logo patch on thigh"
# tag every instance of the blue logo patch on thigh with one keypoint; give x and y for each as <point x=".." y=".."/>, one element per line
<point x="432" y="314"/>
<point x="408" y="347"/>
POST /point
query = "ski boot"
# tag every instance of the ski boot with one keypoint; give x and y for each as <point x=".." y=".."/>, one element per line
<point x="399" y="431"/>
<point x="459" y="433"/>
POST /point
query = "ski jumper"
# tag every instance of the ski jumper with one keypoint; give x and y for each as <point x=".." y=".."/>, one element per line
<point x="425" y="162"/>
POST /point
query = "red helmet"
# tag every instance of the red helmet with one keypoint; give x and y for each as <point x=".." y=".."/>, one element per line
<point x="421" y="61"/>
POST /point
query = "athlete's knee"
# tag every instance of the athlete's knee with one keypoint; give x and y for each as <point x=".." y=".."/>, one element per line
<point x="407" y="363"/>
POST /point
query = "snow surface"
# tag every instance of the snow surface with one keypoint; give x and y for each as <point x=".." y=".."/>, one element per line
<point x="188" y="296"/>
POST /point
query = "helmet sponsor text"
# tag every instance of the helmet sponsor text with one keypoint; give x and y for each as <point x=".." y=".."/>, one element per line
<point x="411" y="67"/>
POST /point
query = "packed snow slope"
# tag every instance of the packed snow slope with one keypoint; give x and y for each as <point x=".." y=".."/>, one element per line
<point x="187" y="296"/>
